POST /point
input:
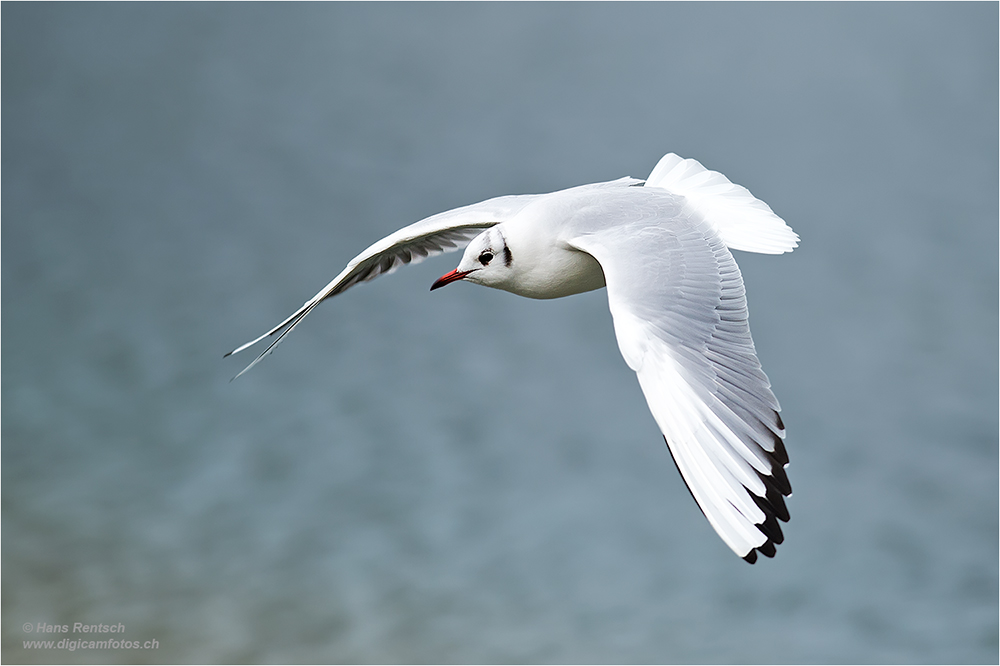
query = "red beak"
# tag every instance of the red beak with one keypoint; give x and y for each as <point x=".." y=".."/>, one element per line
<point x="454" y="276"/>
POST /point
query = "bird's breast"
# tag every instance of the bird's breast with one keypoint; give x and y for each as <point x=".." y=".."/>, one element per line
<point x="562" y="272"/>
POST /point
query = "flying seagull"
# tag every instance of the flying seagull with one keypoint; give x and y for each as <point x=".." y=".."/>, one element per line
<point x="662" y="249"/>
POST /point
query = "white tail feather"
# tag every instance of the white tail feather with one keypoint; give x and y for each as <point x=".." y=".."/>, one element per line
<point x="743" y="221"/>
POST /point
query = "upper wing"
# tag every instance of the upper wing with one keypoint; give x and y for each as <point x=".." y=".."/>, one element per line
<point x="680" y="315"/>
<point x="434" y="235"/>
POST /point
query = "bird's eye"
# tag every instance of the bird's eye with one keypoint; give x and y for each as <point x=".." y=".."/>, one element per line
<point x="486" y="257"/>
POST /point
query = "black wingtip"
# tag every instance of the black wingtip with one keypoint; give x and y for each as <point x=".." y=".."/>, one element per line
<point x="772" y="530"/>
<point x="780" y="454"/>
<point x="780" y="479"/>
<point x="772" y="504"/>
<point x="768" y="549"/>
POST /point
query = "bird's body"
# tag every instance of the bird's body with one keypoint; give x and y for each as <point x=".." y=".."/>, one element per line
<point x="661" y="247"/>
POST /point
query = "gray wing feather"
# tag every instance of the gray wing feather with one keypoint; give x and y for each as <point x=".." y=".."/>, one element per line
<point x="444" y="232"/>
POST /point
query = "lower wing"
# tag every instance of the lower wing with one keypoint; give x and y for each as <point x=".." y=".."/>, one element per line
<point x="680" y="316"/>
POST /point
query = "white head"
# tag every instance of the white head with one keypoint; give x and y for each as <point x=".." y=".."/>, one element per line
<point x="487" y="261"/>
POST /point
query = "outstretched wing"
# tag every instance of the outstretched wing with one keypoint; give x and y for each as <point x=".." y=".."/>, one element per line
<point x="680" y="316"/>
<point x="444" y="232"/>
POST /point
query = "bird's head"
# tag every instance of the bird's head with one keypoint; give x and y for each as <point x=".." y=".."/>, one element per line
<point x="487" y="261"/>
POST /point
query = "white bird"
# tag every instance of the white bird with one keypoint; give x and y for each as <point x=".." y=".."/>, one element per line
<point x="662" y="248"/>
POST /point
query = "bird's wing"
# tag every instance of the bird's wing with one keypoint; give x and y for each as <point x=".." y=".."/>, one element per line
<point x="680" y="315"/>
<point x="444" y="232"/>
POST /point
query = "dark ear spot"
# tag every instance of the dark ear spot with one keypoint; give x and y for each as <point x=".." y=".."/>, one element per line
<point x="508" y="258"/>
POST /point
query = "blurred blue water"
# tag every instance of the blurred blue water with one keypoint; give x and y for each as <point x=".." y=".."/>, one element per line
<point x="467" y="476"/>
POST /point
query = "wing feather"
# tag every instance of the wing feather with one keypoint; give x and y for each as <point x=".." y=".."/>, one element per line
<point x="680" y="315"/>
<point x="444" y="232"/>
